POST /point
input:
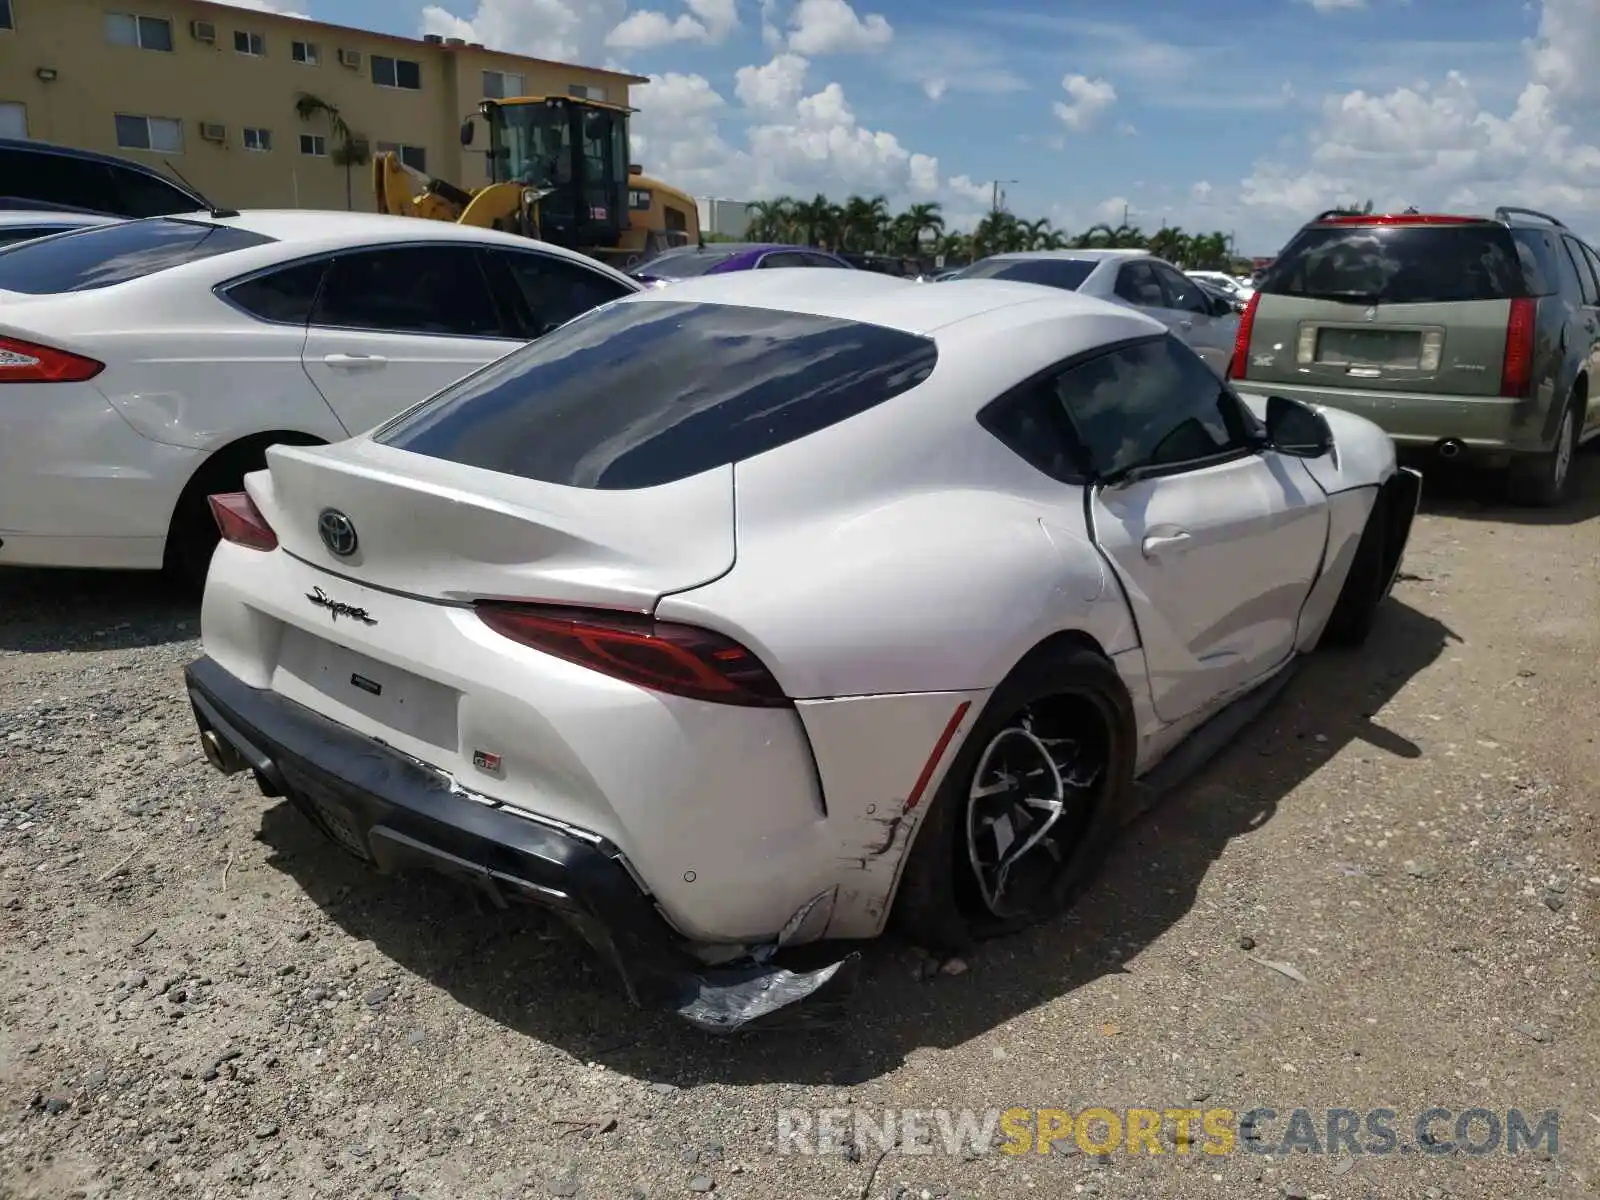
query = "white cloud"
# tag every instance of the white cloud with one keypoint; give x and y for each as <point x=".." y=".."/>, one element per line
<point x="935" y="88"/>
<point x="1564" y="55"/>
<point x="266" y="6"/>
<point x="1327" y="6"/>
<point x="1113" y="210"/>
<point x="565" y="30"/>
<point x="774" y="87"/>
<point x="818" y="27"/>
<point x="968" y="189"/>
<point x="1200" y="193"/>
<point x="1089" y="98"/>
<point x="708" y="21"/>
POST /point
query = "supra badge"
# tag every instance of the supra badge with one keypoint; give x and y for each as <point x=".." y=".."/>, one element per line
<point x="338" y="608"/>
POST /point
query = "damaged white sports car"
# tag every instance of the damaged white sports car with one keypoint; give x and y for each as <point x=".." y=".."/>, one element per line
<point x="764" y="609"/>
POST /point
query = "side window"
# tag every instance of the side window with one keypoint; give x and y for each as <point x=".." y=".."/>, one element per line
<point x="544" y="292"/>
<point x="1586" y="279"/>
<point x="1137" y="284"/>
<point x="1542" y="271"/>
<point x="140" y="195"/>
<point x="785" y="258"/>
<point x="1031" y="423"/>
<point x="284" y="296"/>
<point x="60" y="179"/>
<point x="822" y="260"/>
<point x="1593" y="259"/>
<point x="1182" y="294"/>
<point x="438" y="290"/>
<point x="1153" y="404"/>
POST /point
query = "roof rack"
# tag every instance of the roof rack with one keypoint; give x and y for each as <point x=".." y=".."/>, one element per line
<point x="1506" y="212"/>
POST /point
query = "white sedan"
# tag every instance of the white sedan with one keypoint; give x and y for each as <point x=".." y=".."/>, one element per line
<point x="147" y="364"/>
<point x="748" y="612"/>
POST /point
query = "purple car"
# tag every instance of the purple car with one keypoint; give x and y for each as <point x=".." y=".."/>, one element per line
<point x="717" y="257"/>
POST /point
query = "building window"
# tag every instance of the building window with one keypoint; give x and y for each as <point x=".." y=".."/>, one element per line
<point x="304" y="52"/>
<point x="257" y="139"/>
<point x="587" y="91"/>
<point x="147" y="33"/>
<point x="314" y="144"/>
<point x="150" y="133"/>
<point x="502" y="85"/>
<point x="252" y="44"/>
<point x="13" y="119"/>
<point x="7" y="21"/>
<point x="414" y="157"/>
<point x="396" y="73"/>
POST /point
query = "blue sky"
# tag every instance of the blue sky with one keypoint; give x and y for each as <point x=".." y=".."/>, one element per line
<point x="1246" y="116"/>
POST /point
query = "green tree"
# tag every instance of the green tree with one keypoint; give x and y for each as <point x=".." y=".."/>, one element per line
<point x="349" y="151"/>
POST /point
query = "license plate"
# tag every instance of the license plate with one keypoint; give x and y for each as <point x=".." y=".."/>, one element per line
<point x="1369" y="347"/>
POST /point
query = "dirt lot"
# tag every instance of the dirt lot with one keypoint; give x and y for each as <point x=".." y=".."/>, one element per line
<point x="201" y="999"/>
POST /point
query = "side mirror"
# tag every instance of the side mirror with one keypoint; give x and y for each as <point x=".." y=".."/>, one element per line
<point x="1297" y="429"/>
<point x="1221" y="307"/>
<point x="468" y="132"/>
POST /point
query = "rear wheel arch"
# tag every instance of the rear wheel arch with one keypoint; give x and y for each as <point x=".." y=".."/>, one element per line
<point x="928" y="903"/>
<point x="191" y="535"/>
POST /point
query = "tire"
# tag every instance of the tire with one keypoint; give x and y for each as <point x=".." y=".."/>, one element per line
<point x="1071" y="701"/>
<point x="1545" y="480"/>
<point x="1356" y="610"/>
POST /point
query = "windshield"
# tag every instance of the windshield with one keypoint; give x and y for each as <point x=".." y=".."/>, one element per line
<point x="109" y="254"/>
<point x="636" y="395"/>
<point x="1065" y="273"/>
<point x="537" y="149"/>
<point x="1401" y="264"/>
<point x="681" y="264"/>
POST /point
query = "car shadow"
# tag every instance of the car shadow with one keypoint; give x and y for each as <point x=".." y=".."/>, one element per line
<point x="517" y="970"/>
<point x="44" y="612"/>
<point x="1474" y="494"/>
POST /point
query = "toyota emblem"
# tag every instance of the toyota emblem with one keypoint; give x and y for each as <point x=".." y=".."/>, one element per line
<point x="337" y="533"/>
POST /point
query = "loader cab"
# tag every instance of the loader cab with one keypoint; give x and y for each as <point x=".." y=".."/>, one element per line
<point x="574" y="149"/>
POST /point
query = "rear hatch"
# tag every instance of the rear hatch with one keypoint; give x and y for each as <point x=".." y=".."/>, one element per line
<point x="594" y="466"/>
<point x="1385" y="304"/>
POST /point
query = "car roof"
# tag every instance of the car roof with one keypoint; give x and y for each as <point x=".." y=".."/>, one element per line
<point x="50" y="216"/>
<point x="305" y="231"/>
<point x="1087" y="254"/>
<point x="890" y="301"/>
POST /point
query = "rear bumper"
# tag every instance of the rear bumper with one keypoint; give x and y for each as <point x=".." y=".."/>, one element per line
<point x="398" y="814"/>
<point x="1419" y="421"/>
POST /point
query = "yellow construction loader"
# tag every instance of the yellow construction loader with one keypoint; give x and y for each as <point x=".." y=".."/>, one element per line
<point x="559" y="171"/>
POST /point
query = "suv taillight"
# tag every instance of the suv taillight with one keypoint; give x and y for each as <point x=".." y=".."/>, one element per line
<point x="683" y="660"/>
<point x="1241" y="342"/>
<point x="27" y="362"/>
<point x="1517" y="373"/>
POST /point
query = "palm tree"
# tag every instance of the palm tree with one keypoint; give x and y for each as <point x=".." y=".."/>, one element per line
<point x="923" y="219"/>
<point x="864" y="222"/>
<point x="1173" y="244"/>
<point x="771" y="220"/>
<point x="815" y="220"/>
<point x="349" y="150"/>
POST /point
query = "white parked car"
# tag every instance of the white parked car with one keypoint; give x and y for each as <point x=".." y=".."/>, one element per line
<point x="24" y="225"/>
<point x="746" y="612"/>
<point x="147" y="364"/>
<point x="1132" y="277"/>
<point x="1239" y="289"/>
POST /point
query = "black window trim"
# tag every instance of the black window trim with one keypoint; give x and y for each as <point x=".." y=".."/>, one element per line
<point x="1089" y="476"/>
<point x="1593" y="257"/>
<point x="220" y="290"/>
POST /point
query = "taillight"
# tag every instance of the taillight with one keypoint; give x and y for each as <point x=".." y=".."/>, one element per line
<point x="241" y="521"/>
<point x="1517" y="373"/>
<point x="26" y="362"/>
<point x="683" y="660"/>
<point x="1241" y="340"/>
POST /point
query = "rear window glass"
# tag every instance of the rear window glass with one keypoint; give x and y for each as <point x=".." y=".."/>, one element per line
<point x="682" y="265"/>
<point x="1400" y="264"/>
<point x="110" y="254"/>
<point x="638" y="394"/>
<point x="1065" y="273"/>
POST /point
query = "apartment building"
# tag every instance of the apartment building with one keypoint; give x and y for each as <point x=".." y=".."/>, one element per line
<point x="214" y="92"/>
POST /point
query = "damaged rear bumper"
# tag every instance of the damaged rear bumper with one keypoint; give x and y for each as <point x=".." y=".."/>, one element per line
<point x="399" y="814"/>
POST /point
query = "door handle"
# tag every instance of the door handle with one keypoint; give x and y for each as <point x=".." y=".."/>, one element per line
<point x="1158" y="542"/>
<point x="355" y="362"/>
<point x="1186" y="323"/>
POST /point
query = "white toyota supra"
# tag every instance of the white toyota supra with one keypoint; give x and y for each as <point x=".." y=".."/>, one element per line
<point x="766" y="609"/>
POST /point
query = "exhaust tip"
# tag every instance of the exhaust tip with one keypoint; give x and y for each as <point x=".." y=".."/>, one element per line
<point x="1450" y="448"/>
<point x="219" y="754"/>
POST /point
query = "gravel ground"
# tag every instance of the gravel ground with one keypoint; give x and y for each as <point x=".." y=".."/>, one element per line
<point x="201" y="999"/>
